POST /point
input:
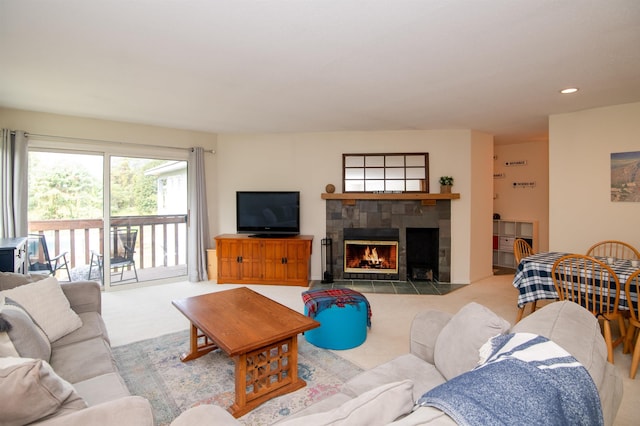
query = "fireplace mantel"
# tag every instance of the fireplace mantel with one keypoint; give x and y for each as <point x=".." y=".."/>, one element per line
<point x="389" y="196"/>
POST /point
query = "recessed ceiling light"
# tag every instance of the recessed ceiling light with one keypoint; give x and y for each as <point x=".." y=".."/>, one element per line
<point x="569" y="90"/>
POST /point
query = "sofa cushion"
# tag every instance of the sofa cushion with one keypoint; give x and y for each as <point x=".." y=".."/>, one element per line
<point x="321" y="406"/>
<point x="47" y="305"/>
<point x="457" y="346"/>
<point x="425" y="416"/>
<point x="378" y="406"/>
<point x="83" y="360"/>
<point x="102" y="388"/>
<point x="574" y="329"/>
<point x="92" y="326"/>
<point x="425" y="376"/>
<point x="20" y="336"/>
<point x="30" y="390"/>
<point x="425" y="328"/>
<point x="128" y="411"/>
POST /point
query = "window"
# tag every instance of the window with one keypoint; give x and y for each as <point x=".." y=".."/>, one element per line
<point x="392" y="173"/>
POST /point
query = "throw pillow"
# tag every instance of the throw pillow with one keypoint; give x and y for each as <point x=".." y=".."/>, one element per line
<point x="48" y="306"/>
<point x="457" y="345"/>
<point x="378" y="406"/>
<point x="19" y="335"/>
<point x="30" y="390"/>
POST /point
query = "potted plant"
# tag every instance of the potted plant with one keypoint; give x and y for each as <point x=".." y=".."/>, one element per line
<point x="445" y="184"/>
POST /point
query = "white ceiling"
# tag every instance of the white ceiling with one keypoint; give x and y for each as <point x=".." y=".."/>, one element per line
<point x="320" y="65"/>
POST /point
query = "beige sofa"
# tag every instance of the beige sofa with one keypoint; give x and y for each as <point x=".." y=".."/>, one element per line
<point x="444" y="346"/>
<point x="73" y="379"/>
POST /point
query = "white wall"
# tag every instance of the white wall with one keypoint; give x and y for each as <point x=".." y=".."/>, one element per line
<point x="524" y="203"/>
<point x="580" y="144"/>
<point x="74" y="129"/>
<point x="309" y="161"/>
<point x="481" y="207"/>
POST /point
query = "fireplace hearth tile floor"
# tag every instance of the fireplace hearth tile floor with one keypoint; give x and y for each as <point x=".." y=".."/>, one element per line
<point x="390" y="287"/>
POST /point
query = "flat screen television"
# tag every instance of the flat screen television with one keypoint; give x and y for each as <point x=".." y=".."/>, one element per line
<point x="268" y="213"/>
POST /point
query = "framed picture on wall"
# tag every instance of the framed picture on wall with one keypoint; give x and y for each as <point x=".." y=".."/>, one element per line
<point x="625" y="176"/>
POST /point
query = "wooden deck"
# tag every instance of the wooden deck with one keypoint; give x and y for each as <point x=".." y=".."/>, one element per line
<point x="144" y="275"/>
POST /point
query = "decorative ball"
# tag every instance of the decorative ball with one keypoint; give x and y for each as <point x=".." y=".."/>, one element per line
<point x="330" y="188"/>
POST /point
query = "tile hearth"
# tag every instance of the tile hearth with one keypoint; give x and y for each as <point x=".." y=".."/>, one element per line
<point x="390" y="287"/>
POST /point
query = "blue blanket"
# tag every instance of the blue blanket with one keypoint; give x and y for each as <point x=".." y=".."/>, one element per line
<point x="522" y="379"/>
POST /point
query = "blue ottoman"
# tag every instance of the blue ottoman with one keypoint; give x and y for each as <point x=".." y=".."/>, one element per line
<point x="343" y="314"/>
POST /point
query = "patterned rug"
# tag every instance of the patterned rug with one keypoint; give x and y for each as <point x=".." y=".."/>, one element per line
<point x="152" y="368"/>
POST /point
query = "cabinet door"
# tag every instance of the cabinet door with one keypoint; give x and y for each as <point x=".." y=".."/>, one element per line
<point x="252" y="260"/>
<point x="297" y="260"/>
<point x="229" y="253"/>
<point x="275" y="254"/>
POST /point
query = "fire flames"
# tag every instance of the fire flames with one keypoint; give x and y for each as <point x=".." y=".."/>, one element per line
<point x="371" y="256"/>
<point x="369" y="259"/>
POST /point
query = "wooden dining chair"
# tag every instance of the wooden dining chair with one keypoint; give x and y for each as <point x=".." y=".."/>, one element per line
<point x="593" y="285"/>
<point x="615" y="249"/>
<point x="632" y="286"/>
<point x="522" y="249"/>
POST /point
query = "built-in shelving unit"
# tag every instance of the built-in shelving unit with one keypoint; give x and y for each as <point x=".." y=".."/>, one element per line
<point x="504" y="234"/>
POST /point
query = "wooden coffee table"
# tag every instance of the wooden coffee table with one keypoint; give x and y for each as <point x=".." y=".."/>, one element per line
<point x="261" y="336"/>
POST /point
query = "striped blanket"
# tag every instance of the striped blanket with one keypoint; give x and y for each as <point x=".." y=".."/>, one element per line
<point x="319" y="300"/>
<point x="521" y="379"/>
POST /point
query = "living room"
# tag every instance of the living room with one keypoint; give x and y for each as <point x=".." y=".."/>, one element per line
<point x="569" y="153"/>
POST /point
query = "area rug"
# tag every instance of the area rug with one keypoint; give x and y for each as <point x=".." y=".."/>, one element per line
<point x="152" y="369"/>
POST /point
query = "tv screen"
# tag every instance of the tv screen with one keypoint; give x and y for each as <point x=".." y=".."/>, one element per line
<point x="266" y="213"/>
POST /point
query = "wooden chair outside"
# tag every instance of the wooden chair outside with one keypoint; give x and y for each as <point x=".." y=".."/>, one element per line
<point x="593" y="285"/>
<point x="632" y="286"/>
<point x="522" y="249"/>
<point x="615" y="249"/>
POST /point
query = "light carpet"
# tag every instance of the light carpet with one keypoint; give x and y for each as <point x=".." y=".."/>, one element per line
<point x="152" y="368"/>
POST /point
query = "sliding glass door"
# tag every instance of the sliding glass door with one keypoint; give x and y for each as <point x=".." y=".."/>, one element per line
<point x="143" y="229"/>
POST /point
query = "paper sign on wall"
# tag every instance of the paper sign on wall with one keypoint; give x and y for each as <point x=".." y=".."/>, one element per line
<point x="516" y="163"/>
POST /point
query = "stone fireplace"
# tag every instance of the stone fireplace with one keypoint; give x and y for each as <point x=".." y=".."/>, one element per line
<point x="421" y="230"/>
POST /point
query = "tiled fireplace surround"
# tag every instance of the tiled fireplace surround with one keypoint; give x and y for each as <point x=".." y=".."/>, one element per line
<point x="399" y="214"/>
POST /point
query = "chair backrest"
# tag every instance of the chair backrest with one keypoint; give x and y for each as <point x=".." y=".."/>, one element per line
<point x="521" y="249"/>
<point x="587" y="282"/>
<point x="38" y="253"/>
<point x="632" y="286"/>
<point x="123" y="243"/>
<point x="614" y="248"/>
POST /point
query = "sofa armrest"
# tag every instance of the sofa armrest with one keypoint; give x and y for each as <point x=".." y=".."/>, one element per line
<point x="84" y="296"/>
<point x="130" y="410"/>
<point x="206" y="415"/>
<point x="425" y="328"/>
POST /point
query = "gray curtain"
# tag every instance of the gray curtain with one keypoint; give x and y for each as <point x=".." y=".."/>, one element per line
<point x="13" y="184"/>
<point x="198" y="217"/>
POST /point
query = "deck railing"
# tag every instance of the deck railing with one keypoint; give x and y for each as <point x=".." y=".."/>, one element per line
<point x="162" y="239"/>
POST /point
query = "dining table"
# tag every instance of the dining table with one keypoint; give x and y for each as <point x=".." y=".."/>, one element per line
<point x="534" y="281"/>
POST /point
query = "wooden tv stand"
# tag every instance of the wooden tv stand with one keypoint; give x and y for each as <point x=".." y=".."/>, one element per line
<point x="244" y="259"/>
